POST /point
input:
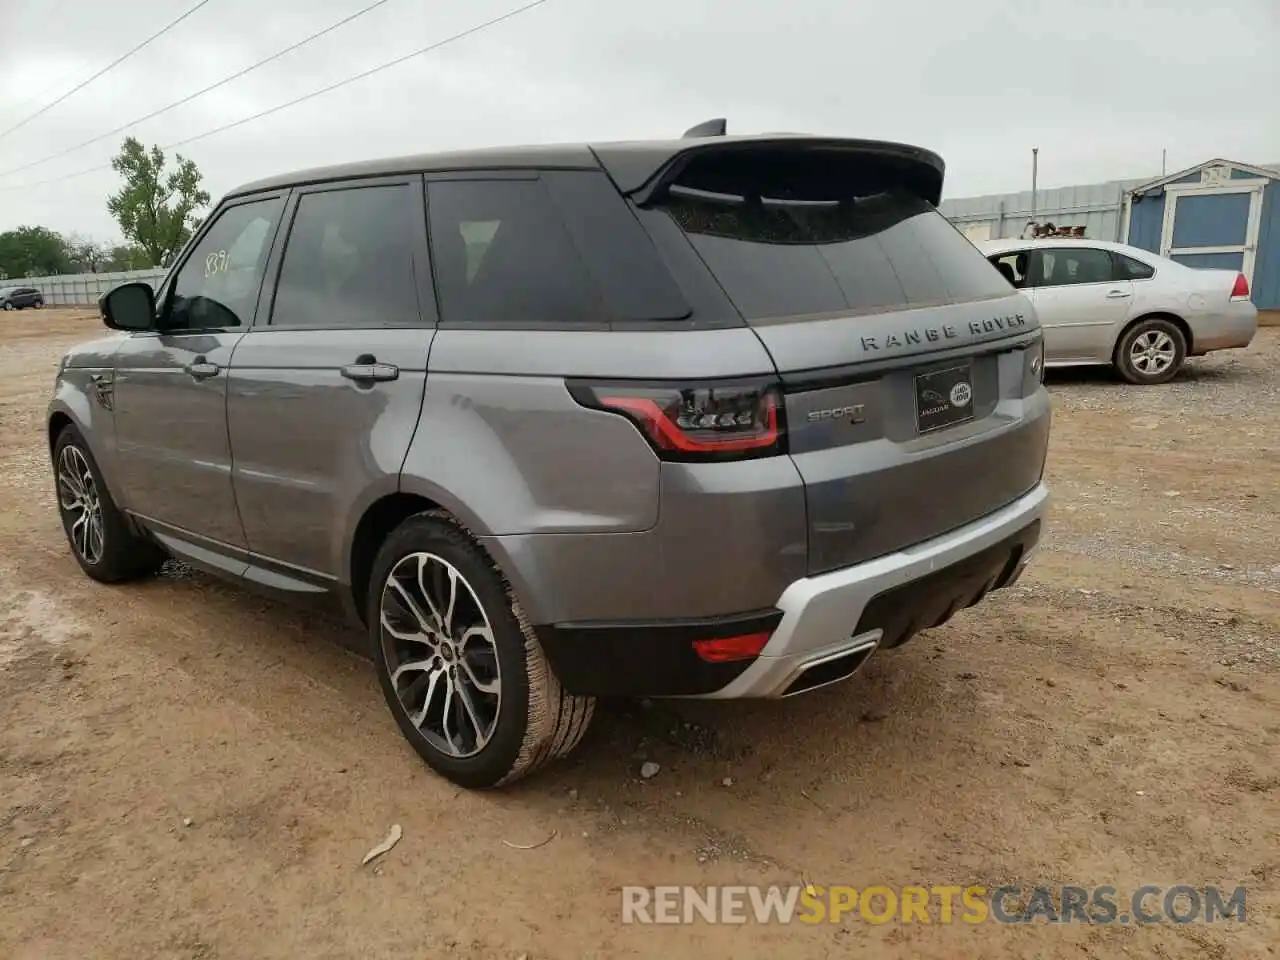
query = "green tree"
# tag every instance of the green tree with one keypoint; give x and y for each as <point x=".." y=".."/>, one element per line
<point x="156" y="209"/>
<point x="33" y="252"/>
<point x="125" y="256"/>
<point x="87" y="255"/>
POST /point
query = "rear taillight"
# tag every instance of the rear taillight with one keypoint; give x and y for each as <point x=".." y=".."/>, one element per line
<point x="1240" y="291"/>
<point x="727" y="649"/>
<point x="709" y="421"/>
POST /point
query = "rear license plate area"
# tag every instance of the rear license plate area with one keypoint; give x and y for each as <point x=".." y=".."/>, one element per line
<point x="944" y="397"/>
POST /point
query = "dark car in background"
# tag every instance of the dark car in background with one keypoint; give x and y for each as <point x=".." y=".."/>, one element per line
<point x="17" y="298"/>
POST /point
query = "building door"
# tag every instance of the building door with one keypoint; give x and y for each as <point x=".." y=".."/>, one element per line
<point x="1213" y="223"/>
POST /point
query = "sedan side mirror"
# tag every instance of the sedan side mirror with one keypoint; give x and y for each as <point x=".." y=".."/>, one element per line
<point x="130" y="306"/>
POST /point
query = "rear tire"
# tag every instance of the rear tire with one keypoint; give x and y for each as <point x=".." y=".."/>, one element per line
<point x="1151" y="351"/>
<point x="97" y="531"/>
<point x="460" y="667"/>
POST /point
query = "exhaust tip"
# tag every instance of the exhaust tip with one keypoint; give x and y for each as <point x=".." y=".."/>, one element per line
<point x="831" y="669"/>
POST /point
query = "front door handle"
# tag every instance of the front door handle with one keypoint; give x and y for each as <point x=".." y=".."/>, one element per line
<point x="1118" y="295"/>
<point x="367" y="369"/>
<point x="202" y="369"/>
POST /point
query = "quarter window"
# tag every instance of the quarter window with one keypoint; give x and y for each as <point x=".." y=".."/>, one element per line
<point x="349" y="261"/>
<point x="1013" y="267"/>
<point x="502" y="255"/>
<point x="218" y="284"/>
<point x="1128" y="268"/>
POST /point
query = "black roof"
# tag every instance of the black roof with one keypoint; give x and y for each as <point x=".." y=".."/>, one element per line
<point x="631" y="164"/>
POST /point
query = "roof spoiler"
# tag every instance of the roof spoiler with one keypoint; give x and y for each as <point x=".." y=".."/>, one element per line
<point x="641" y="171"/>
<point x="707" y="128"/>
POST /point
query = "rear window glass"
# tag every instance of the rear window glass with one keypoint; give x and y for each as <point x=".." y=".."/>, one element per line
<point x="783" y="257"/>
<point x="502" y="255"/>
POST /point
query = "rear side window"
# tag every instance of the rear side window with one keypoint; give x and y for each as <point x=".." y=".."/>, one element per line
<point x="1128" y="268"/>
<point x="502" y="255"/>
<point x="1066" y="266"/>
<point x="348" y="261"/>
<point x="778" y="257"/>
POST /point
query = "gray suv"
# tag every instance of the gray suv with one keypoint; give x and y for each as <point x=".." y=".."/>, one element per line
<point x="716" y="416"/>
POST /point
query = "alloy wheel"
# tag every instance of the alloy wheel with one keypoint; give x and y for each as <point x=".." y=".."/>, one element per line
<point x="80" y="501"/>
<point x="440" y="653"/>
<point x="1152" y="352"/>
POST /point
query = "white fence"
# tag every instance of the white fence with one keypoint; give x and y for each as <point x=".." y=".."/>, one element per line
<point x="83" y="289"/>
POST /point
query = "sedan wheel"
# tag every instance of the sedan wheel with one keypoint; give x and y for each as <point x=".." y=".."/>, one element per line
<point x="1151" y="352"/>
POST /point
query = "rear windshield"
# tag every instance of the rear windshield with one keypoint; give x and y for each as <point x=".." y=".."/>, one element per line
<point x="781" y="257"/>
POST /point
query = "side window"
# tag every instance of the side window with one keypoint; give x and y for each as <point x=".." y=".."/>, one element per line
<point x="1065" y="266"/>
<point x="218" y="284"/>
<point x="1013" y="267"/>
<point x="348" y="261"/>
<point x="1128" y="268"/>
<point x="502" y="254"/>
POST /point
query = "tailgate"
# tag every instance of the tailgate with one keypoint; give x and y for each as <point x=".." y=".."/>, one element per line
<point x="911" y="368"/>
<point x="901" y="448"/>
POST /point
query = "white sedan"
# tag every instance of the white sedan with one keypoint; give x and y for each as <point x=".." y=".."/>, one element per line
<point x="1103" y="302"/>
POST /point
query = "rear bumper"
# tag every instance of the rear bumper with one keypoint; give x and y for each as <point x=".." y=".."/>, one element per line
<point x="1233" y="328"/>
<point x="847" y="613"/>
<point x="823" y="627"/>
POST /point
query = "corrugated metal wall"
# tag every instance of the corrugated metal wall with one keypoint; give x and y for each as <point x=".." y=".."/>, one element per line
<point x="83" y="289"/>
<point x="1097" y="207"/>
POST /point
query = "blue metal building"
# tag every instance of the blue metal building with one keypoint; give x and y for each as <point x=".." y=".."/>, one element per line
<point x="1216" y="214"/>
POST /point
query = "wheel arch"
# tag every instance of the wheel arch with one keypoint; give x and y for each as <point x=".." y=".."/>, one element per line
<point x="59" y="420"/>
<point x="1173" y="318"/>
<point x="385" y="513"/>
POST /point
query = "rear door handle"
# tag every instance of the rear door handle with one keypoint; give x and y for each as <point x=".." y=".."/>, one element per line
<point x="202" y="369"/>
<point x="1118" y="295"/>
<point x="367" y="369"/>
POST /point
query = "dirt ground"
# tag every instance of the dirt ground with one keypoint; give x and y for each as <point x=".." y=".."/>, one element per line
<point x="189" y="770"/>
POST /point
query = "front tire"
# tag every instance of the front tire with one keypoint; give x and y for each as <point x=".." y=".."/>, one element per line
<point x="1151" y="352"/>
<point x="460" y="667"/>
<point x="97" y="531"/>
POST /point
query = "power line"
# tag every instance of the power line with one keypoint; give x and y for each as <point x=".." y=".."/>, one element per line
<point x="292" y="103"/>
<point x="360" y="76"/>
<point x="114" y="63"/>
<point x="200" y="93"/>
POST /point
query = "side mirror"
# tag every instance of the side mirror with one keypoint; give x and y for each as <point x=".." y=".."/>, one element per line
<point x="130" y="306"/>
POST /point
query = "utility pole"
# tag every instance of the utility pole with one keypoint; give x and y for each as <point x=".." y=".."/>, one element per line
<point x="1164" y="153"/>
<point x="1035" y="171"/>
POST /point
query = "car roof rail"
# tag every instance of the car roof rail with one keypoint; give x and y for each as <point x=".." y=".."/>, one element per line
<point x="708" y="128"/>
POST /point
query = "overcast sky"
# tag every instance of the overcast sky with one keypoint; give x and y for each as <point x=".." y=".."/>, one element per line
<point x="1099" y="87"/>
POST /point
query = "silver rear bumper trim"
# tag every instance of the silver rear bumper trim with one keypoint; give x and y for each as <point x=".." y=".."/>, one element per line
<point x="819" y="613"/>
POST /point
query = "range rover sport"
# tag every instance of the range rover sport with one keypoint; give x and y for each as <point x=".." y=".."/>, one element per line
<point x="710" y="417"/>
